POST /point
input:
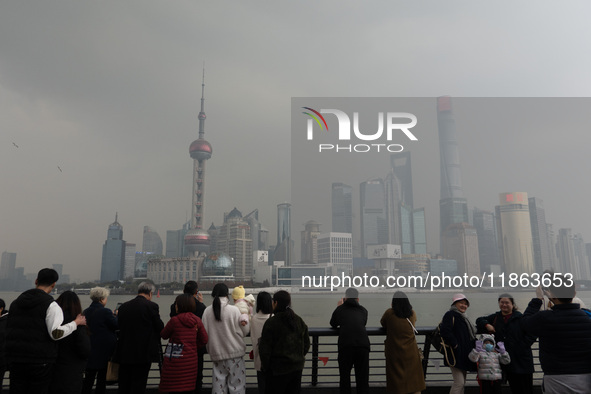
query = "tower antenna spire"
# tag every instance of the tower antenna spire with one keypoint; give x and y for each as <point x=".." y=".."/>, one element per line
<point x="202" y="112"/>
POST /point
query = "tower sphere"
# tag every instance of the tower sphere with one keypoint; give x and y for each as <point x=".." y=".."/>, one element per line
<point x="197" y="240"/>
<point x="200" y="149"/>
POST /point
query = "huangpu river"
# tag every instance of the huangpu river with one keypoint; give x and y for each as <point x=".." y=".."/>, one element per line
<point x="316" y="309"/>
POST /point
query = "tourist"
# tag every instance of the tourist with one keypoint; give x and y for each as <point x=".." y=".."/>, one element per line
<point x="3" y="320"/>
<point x="489" y="356"/>
<point x="565" y="340"/>
<point x="459" y="333"/>
<point x="102" y="324"/>
<point x="226" y="346"/>
<point x="264" y="308"/>
<point x="350" y="318"/>
<point x="192" y="288"/>
<point x="283" y="347"/>
<point x="139" y="340"/>
<point x="73" y="351"/>
<point x="186" y="334"/>
<point x="404" y="369"/>
<point x="35" y="323"/>
<point x="506" y="326"/>
<point x="244" y="303"/>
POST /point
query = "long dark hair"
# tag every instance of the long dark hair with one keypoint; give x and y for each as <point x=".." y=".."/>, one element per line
<point x="283" y="300"/>
<point x="70" y="304"/>
<point x="401" y="305"/>
<point x="219" y="290"/>
<point x="264" y="303"/>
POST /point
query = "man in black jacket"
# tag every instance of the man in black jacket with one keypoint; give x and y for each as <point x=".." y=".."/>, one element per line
<point x="34" y="324"/>
<point x="350" y="318"/>
<point x="565" y="339"/>
<point x="192" y="289"/>
<point x="139" y="340"/>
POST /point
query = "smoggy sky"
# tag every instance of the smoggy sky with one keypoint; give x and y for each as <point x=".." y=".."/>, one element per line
<point x="109" y="92"/>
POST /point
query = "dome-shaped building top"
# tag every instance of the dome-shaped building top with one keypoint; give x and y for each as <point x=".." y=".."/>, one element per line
<point x="197" y="240"/>
<point x="217" y="264"/>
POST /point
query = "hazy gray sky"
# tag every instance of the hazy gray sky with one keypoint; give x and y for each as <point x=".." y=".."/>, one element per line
<point x="109" y="92"/>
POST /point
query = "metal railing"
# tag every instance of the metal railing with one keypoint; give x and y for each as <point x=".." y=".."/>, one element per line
<point x="321" y="367"/>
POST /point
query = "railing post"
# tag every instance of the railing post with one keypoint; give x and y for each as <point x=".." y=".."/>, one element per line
<point x="314" y="360"/>
<point x="426" y="351"/>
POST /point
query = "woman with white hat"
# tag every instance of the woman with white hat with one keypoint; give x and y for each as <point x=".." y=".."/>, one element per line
<point x="459" y="334"/>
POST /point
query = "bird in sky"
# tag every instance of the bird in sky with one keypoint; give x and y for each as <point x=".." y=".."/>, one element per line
<point x="58" y="167"/>
<point x="15" y="144"/>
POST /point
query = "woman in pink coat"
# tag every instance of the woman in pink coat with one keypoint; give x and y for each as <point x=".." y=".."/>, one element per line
<point x="186" y="333"/>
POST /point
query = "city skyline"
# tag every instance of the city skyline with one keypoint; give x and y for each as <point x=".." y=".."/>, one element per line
<point x="97" y="120"/>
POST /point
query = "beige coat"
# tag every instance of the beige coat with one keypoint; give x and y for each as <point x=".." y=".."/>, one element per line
<point x="404" y="370"/>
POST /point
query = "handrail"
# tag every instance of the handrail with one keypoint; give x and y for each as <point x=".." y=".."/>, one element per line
<point x="321" y="368"/>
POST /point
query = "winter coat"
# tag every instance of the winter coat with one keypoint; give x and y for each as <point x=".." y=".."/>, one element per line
<point x="226" y="336"/>
<point x="517" y="342"/>
<point x="186" y="334"/>
<point x="489" y="363"/>
<point x="456" y="333"/>
<point x="564" y="335"/>
<point x="3" y="321"/>
<point x="139" y="332"/>
<point x="256" y="328"/>
<point x="350" y="318"/>
<point x="102" y="325"/>
<point x="282" y="348"/>
<point x="404" y="369"/>
<point x="73" y="351"/>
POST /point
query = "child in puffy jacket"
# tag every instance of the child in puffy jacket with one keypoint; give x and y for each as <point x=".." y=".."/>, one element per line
<point x="489" y="359"/>
<point x="244" y="303"/>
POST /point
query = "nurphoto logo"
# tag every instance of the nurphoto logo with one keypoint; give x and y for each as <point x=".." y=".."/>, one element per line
<point x="397" y="123"/>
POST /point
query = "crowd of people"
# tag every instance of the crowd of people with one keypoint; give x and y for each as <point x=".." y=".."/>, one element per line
<point x="56" y="347"/>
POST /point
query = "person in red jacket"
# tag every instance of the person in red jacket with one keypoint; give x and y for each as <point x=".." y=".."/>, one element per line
<point x="186" y="334"/>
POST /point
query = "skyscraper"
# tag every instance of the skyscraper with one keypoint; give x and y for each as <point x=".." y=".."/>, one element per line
<point x="565" y="251"/>
<point x="197" y="238"/>
<point x="539" y="229"/>
<point x="581" y="260"/>
<point x="234" y="238"/>
<point x="514" y="233"/>
<point x="309" y="242"/>
<point x="151" y="243"/>
<point x="113" y="261"/>
<point x="453" y="207"/>
<point x="129" y="265"/>
<point x="400" y="163"/>
<point x="7" y="265"/>
<point x="284" y="247"/>
<point x="488" y="249"/>
<point x="459" y="242"/>
<point x="342" y="208"/>
<point x="336" y="249"/>
<point x="374" y="223"/>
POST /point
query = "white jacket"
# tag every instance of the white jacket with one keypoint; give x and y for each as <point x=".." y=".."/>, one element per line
<point x="225" y="336"/>
<point x="256" y="329"/>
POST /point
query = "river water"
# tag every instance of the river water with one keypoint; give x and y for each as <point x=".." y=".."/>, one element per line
<point x="316" y="309"/>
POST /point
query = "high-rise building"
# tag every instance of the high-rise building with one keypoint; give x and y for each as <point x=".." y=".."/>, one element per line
<point x="7" y="265"/>
<point x="459" y="242"/>
<point x="514" y="233"/>
<point x="581" y="260"/>
<point x="588" y="252"/>
<point x="284" y="247"/>
<point x="309" y="241"/>
<point x="419" y="231"/>
<point x="152" y="243"/>
<point x="342" y="208"/>
<point x="113" y="261"/>
<point x="539" y="229"/>
<point x="565" y="251"/>
<point x="393" y="188"/>
<point x="129" y="269"/>
<point x="234" y="239"/>
<point x="197" y="238"/>
<point x="374" y="223"/>
<point x="453" y="207"/>
<point x="488" y="249"/>
<point x="336" y="249"/>
<point x="551" y="246"/>
<point x="400" y="163"/>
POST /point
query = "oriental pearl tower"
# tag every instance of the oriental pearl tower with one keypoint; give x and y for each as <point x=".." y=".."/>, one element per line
<point x="197" y="238"/>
